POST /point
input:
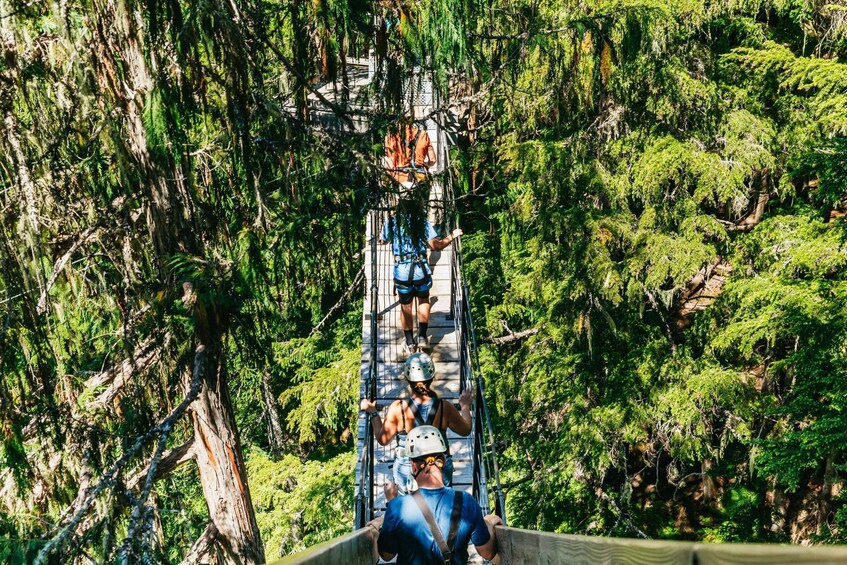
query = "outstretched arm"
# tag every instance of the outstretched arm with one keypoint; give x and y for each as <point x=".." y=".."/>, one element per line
<point x="430" y="156"/>
<point x="460" y="421"/>
<point x="489" y="550"/>
<point x="438" y="244"/>
<point x="376" y="533"/>
<point x="385" y="431"/>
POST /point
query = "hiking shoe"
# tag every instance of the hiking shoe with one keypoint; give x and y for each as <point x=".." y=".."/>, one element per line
<point x="404" y="352"/>
<point x="423" y="343"/>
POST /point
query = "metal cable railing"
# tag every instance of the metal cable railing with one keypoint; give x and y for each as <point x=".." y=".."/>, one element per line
<point x="365" y="497"/>
<point x="485" y="466"/>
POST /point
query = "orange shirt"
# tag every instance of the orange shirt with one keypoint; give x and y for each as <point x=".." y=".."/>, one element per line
<point x="399" y="154"/>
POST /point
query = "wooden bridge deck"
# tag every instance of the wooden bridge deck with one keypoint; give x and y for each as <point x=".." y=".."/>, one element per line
<point x="390" y="359"/>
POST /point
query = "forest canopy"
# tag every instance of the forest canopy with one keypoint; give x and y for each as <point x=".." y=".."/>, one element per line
<point x="653" y="195"/>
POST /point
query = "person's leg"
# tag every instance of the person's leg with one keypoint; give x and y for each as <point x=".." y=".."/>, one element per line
<point x="406" y="321"/>
<point x="423" y="321"/>
<point x="423" y="315"/>
<point x="406" y="300"/>
<point x="407" y="325"/>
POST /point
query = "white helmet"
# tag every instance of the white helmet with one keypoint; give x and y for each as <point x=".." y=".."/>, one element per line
<point x="423" y="441"/>
<point x="419" y="368"/>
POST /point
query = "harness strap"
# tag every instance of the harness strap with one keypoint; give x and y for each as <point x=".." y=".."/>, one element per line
<point x="455" y="517"/>
<point x="419" y="421"/>
<point x="403" y="415"/>
<point x="445" y="547"/>
<point x="430" y="419"/>
<point x="408" y="257"/>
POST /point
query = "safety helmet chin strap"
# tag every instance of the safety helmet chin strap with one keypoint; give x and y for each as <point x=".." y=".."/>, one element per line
<point x="430" y="461"/>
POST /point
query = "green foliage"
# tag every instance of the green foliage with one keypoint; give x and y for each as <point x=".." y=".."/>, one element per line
<point x="325" y="399"/>
<point x="184" y="514"/>
<point x="741" y="519"/>
<point x="612" y="194"/>
<point x="617" y="194"/>
<point x="828" y="163"/>
<point x="299" y="504"/>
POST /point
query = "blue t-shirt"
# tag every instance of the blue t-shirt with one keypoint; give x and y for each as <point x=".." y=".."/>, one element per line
<point x="401" y="242"/>
<point x="405" y="531"/>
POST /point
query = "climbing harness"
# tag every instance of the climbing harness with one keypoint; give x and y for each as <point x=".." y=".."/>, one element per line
<point x="428" y="419"/>
<point x="407" y="258"/>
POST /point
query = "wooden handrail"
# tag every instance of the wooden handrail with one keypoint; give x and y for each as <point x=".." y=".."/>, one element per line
<point x="355" y="548"/>
<point x="517" y="546"/>
<point x="527" y="547"/>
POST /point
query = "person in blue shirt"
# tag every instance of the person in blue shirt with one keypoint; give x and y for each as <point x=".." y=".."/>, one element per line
<point x="410" y="233"/>
<point x="435" y="524"/>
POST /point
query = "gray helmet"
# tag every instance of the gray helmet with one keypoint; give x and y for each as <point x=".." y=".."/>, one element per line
<point x="419" y="367"/>
<point x="423" y="441"/>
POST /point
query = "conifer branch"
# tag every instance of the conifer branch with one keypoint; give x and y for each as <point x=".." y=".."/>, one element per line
<point x="140" y="509"/>
<point x="116" y="377"/>
<point x="169" y="461"/>
<point x="84" y="238"/>
<point x="344" y="297"/>
<point x="110" y="477"/>
<point x="513" y="336"/>
<point x="621" y="516"/>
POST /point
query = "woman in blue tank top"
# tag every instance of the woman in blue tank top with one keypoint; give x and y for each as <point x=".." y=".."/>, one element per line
<point x="423" y="408"/>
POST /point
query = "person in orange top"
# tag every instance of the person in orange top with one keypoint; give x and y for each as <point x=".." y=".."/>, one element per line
<point x="408" y="147"/>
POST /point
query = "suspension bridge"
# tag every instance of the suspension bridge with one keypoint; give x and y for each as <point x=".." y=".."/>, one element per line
<point x="454" y="351"/>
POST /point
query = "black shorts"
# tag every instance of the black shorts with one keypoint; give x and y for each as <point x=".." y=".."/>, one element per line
<point x="417" y="289"/>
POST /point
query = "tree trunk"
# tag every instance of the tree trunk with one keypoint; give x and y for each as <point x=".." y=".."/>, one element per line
<point x="10" y="124"/>
<point x="222" y="472"/>
<point x="120" y="63"/>
<point x="825" y="498"/>
<point x="121" y="69"/>
<point x="753" y="218"/>
<point x="778" y="509"/>
<point x="201" y="547"/>
<point x="217" y="449"/>
<point x="708" y="482"/>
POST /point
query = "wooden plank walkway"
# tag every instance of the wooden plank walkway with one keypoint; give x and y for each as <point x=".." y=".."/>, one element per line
<point x="391" y="358"/>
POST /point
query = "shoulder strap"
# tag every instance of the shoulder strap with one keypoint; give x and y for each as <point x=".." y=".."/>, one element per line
<point x="446" y="551"/>
<point x="430" y="420"/>
<point x="403" y="412"/>
<point x="455" y="518"/>
<point x="413" y="406"/>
